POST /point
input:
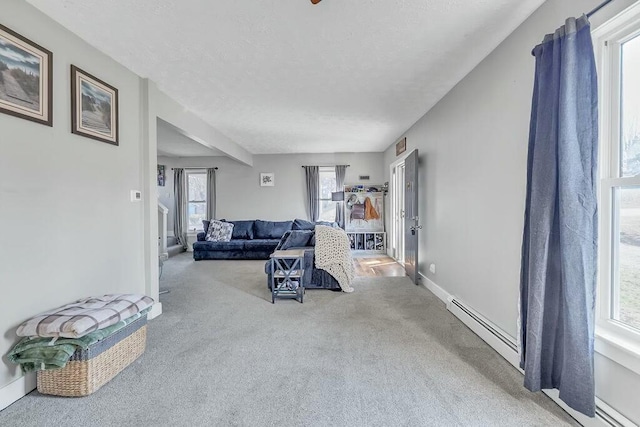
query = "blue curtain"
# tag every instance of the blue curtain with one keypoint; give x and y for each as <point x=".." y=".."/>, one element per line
<point x="341" y="172"/>
<point x="312" y="180"/>
<point x="559" y="250"/>
<point x="180" y="206"/>
<point x="211" y="194"/>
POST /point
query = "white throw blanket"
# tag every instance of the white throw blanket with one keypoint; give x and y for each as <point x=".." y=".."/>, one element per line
<point x="333" y="254"/>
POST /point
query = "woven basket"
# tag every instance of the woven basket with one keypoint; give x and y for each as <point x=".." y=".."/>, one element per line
<point x="88" y="370"/>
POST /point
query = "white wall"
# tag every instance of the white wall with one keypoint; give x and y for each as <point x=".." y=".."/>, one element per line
<point x="241" y="197"/>
<point x="473" y="152"/>
<point x="68" y="228"/>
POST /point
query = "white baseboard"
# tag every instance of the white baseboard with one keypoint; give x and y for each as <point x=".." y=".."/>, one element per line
<point x="435" y="289"/>
<point x="17" y="390"/>
<point x="156" y="310"/>
<point x="506" y="346"/>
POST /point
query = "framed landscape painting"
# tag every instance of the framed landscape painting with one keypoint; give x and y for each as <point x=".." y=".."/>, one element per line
<point x="26" y="78"/>
<point x="94" y="107"/>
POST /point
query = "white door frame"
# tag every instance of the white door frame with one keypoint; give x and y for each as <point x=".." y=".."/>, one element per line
<point x="396" y="249"/>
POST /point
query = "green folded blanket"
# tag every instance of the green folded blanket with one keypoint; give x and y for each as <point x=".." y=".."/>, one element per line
<point x="35" y="353"/>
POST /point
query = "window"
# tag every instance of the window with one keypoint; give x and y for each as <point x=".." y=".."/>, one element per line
<point x="327" y="177"/>
<point x="618" y="53"/>
<point x="197" y="199"/>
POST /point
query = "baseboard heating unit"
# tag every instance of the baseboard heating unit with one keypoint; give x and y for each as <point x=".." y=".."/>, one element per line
<point x="507" y="347"/>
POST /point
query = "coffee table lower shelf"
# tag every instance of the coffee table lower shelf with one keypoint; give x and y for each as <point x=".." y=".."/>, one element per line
<point x="286" y="275"/>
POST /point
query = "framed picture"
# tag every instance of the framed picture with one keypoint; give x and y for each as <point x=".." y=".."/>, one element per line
<point x="267" y="179"/>
<point x="401" y="146"/>
<point x="94" y="107"/>
<point x="26" y="78"/>
<point x="161" y="181"/>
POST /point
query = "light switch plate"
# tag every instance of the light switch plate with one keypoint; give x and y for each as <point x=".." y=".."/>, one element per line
<point x="136" y="195"/>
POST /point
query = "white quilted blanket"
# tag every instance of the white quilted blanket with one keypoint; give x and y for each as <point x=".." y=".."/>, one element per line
<point x="333" y="254"/>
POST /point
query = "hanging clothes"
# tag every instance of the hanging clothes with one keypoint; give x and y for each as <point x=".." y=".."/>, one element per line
<point x="369" y="211"/>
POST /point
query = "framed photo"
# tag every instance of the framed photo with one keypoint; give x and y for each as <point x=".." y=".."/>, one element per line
<point x="26" y="78"/>
<point x="161" y="180"/>
<point x="267" y="179"/>
<point x="94" y="107"/>
<point x="401" y="146"/>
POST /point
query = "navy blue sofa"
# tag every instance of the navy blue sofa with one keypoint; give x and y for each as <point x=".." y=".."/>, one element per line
<point x="252" y="239"/>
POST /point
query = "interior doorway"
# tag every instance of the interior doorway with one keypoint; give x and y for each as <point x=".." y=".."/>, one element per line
<point x="397" y="211"/>
<point x="404" y="220"/>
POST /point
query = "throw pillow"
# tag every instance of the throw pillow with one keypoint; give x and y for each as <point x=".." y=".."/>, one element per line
<point x="297" y="239"/>
<point x="242" y="230"/>
<point x="219" y="231"/>
<point x="302" y="224"/>
<point x="205" y="225"/>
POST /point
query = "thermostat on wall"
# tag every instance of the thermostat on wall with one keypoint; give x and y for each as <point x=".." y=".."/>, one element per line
<point x="136" y="195"/>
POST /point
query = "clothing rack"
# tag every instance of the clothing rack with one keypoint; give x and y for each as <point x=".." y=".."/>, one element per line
<point x="598" y="7"/>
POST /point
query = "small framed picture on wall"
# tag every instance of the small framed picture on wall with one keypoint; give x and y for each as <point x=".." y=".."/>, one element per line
<point x="267" y="179"/>
<point x="161" y="178"/>
<point x="94" y="107"/>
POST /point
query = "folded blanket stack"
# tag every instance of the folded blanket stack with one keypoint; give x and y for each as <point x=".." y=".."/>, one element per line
<point x="51" y="338"/>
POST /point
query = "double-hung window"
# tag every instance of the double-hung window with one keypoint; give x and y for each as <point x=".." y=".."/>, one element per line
<point x="327" y="177"/>
<point x="618" y="54"/>
<point x="196" y="199"/>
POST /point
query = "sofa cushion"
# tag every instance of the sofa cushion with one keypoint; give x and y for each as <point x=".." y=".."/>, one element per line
<point x="302" y="224"/>
<point x="219" y="231"/>
<point x="232" y="245"/>
<point x="261" y="245"/>
<point x="270" y="229"/>
<point x="296" y="239"/>
<point x="242" y="230"/>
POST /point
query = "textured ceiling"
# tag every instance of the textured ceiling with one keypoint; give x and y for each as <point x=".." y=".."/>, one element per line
<point x="282" y="76"/>
<point x="171" y="143"/>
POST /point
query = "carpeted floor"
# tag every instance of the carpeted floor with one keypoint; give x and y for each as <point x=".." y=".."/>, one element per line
<point x="221" y="354"/>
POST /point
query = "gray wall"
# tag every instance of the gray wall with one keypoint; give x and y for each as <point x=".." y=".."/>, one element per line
<point x="473" y="152"/>
<point x="240" y="195"/>
<point x="68" y="228"/>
